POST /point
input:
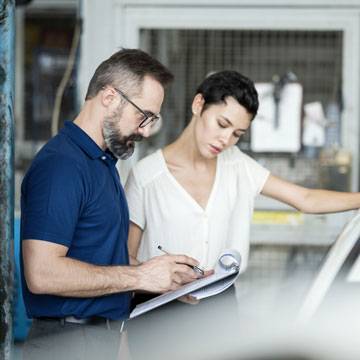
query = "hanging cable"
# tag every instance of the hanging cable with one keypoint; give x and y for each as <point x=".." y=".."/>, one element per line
<point x="65" y="79"/>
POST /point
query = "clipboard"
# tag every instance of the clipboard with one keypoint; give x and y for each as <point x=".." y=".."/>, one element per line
<point x="225" y="274"/>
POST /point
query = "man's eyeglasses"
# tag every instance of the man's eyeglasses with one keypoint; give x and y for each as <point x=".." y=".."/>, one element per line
<point x="148" y="118"/>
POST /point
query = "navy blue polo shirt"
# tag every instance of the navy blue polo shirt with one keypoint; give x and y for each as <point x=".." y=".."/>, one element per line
<point x="72" y="196"/>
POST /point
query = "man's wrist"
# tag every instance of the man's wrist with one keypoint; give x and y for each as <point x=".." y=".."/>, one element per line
<point x="130" y="278"/>
<point x="140" y="275"/>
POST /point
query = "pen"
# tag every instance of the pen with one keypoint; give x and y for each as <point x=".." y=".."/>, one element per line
<point x="195" y="268"/>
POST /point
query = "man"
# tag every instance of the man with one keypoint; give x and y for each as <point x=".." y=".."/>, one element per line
<point x="74" y="221"/>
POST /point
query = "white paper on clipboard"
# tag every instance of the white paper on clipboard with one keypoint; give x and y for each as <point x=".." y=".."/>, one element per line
<point x="226" y="272"/>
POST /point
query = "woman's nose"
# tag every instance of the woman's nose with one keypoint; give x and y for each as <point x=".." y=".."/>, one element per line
<point x="225" y="137"/>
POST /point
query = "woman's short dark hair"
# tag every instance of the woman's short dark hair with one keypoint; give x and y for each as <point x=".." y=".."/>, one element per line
<point x="126" y="69"/>
<point x="220" y="85"/>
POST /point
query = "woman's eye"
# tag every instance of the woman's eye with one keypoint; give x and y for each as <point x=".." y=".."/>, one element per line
<point x="237" y="135"/>
<point x="221" y="125"/>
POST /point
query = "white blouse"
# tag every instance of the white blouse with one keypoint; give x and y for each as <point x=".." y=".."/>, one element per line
<point x="170" y="217"/>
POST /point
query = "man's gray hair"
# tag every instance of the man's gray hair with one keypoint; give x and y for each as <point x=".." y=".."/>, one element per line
<point x="126" y="70"/>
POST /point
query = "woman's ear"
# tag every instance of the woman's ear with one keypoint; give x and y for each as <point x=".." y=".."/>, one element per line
<point x="197" y="104"/>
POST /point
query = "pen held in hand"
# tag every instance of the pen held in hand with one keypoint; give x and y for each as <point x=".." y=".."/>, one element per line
<point x="195" y="268"/>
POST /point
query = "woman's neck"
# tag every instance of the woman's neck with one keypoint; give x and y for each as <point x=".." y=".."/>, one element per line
<point x="184" y="150"/>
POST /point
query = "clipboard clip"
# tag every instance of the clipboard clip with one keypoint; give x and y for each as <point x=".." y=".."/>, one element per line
<point x="229" y="261"/>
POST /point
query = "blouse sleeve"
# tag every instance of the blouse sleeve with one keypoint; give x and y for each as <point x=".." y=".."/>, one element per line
<point x="135" y="199"/>
<point x="257" y="173"/>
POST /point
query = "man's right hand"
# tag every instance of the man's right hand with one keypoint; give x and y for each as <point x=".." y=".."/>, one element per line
<point x="166" y="272"/>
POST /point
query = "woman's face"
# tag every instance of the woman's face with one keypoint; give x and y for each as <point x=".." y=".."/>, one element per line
<point x="219" y="126"/>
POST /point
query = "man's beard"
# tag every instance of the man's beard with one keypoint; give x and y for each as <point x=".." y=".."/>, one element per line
<point x="121" y="146"/>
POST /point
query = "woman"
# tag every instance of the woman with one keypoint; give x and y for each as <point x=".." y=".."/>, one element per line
<point x="196" y="196"/>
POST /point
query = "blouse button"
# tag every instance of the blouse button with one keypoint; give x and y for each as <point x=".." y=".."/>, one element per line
<point x="103" y="157"/>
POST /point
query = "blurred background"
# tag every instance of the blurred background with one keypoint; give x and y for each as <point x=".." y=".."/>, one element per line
<point x="303" y="56"/>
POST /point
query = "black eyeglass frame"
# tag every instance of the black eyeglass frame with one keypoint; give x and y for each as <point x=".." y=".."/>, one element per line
<point x="148" y="119"/>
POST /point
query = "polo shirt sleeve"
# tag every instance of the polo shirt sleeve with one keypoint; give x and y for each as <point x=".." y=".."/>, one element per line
<point x="135" y="199"/>
<point x="52" y="197"/>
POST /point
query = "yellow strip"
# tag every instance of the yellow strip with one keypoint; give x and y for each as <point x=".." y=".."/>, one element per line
<point x="278" y="217"/>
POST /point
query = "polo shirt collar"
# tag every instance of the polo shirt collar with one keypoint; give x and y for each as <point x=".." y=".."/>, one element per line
<point x="85" y="142"/>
